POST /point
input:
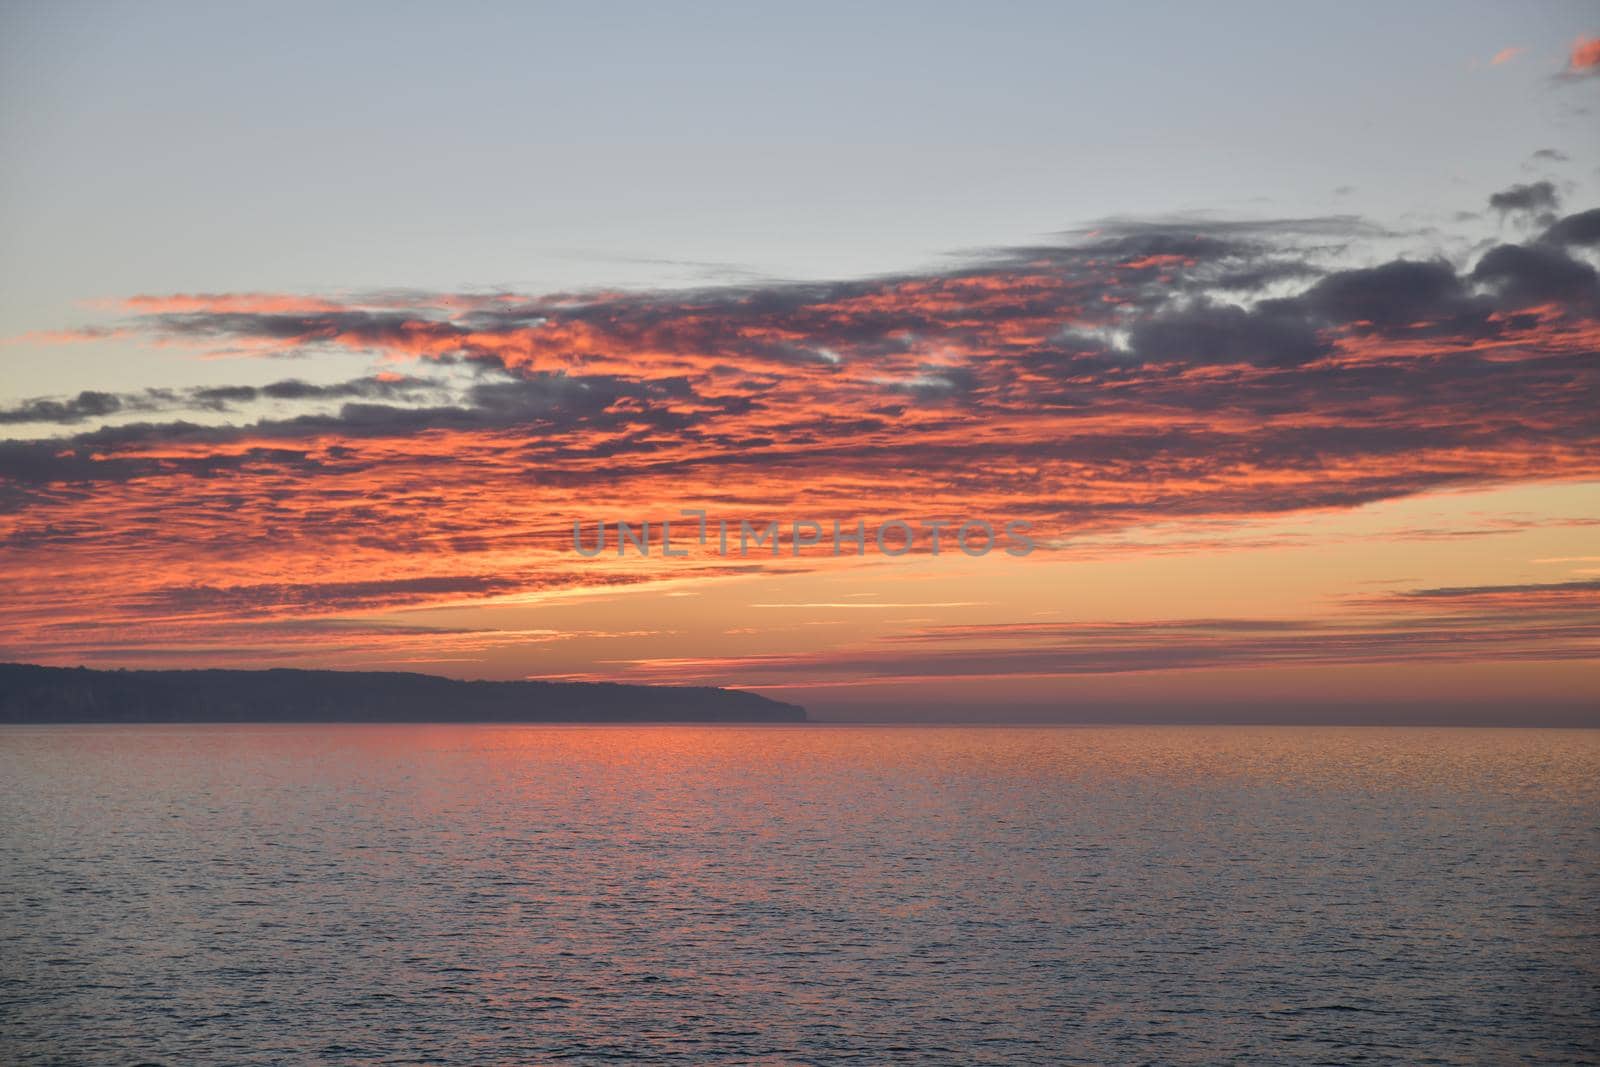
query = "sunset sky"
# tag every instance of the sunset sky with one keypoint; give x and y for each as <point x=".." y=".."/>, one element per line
<point x="1280" y="326"/>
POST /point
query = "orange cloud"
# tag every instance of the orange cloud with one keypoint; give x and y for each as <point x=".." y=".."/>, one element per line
<point x="243" y="303"/>
<point x="1506" y="55"/>
<point x="1139" y="378"/>
<point x="1585" y="56"/>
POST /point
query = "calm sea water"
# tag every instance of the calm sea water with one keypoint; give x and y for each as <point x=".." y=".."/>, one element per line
<point x="482" y="895"/>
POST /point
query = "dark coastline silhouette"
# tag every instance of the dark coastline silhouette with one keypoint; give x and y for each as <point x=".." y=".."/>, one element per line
<point x="34" y="694"/>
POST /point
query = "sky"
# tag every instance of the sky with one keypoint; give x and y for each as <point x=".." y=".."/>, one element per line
<point x="1277" y="327"/>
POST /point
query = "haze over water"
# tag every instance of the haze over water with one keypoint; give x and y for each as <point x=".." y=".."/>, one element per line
<point x="415" y="894"/>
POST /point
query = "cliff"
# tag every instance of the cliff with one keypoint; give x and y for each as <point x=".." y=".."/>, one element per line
<point x="32" y="694"/>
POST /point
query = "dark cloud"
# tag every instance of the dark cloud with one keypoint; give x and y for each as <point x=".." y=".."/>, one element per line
<point x="90" y="404"/>
<point x="546" y="404"/>
<point x="239" y="600"/>
<point x="84" y="460"/>
<point x="1525" y="275"/>
<point x="390" y="387"/>
<point x="222" y="396"/>
<point x="1478" y="591"/>
<point x="1272" y="333"/>
<point x="1582" y="228"/>
<point x="1391" y="295"/>
<point x="1534" y="198"/>
<point x="86" y="405"/>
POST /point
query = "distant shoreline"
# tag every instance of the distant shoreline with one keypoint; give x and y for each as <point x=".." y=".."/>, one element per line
<point x="36" y="695"/>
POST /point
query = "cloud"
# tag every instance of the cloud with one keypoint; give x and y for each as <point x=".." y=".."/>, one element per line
<point x="546" y="404"/>
<point x="1532" y="623"/>
<point x="1583" y="61"/>
<point x="1269" y="334"/>
<point x="86" y="405"/>
<point x="1506" y="55"/>
<point x="91" y="404"/>
<point x="1526" y="275"/>
<point x="1528" y="594"/>
<point x="243" y="600"/>
<point x="1395" y="294"/>
<point x="1535" y="199"/>
<point x="1582" y="229"/>
<point x="1150" y="371"/>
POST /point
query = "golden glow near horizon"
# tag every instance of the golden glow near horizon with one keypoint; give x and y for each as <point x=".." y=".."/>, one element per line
<point x="881" y="628"/>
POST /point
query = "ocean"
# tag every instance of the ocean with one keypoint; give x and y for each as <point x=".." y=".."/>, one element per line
<point x="798" y="894"/>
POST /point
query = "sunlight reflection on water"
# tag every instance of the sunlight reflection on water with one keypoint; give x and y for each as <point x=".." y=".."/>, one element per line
<point x="484" y="894"/>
